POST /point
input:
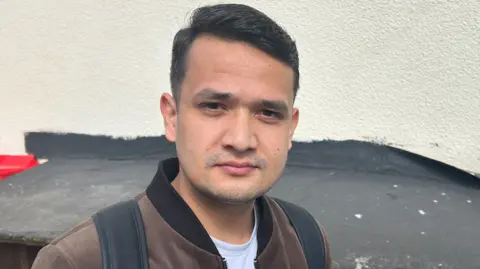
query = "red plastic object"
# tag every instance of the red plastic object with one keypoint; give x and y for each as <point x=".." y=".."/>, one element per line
<point x="14" y="164"/>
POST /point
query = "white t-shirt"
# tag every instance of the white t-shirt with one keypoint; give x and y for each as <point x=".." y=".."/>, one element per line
<point x="239" y="256"/>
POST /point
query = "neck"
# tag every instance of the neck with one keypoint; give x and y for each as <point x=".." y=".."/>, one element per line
<point x="231" y="223"/>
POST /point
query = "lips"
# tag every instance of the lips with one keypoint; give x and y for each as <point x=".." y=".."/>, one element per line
<point x="237" y="168"/>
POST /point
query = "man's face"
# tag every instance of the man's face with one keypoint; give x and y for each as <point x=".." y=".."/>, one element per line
<point x="234" y="121"/>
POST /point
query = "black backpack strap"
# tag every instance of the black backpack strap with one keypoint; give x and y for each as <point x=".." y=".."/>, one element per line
<point x="308" y="232"/>
<point x="122" y="236"/>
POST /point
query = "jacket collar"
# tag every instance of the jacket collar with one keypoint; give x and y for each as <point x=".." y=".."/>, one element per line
<point x="175" y="211"/>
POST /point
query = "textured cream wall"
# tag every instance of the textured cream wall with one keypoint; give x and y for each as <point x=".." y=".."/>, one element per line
<point x="400" y="72"/>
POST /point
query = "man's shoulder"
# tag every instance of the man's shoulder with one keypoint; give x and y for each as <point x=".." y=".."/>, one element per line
<point x="281" y="205"/>
<point x="76" y="248"/>
<point x="85" y="229"/>
<point x="291" y="212"/>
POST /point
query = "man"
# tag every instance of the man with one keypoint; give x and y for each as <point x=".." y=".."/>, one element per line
<point x="234" y="78"/>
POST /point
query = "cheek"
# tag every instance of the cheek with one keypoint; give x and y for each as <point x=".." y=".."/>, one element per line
<point x="276" y="147"/>
<point x="185" y="131"/>
<point x="196" y="135"/>
<point x="189" y="125"/>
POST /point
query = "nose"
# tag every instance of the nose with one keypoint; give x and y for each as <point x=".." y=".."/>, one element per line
<point x="240" y="135"/>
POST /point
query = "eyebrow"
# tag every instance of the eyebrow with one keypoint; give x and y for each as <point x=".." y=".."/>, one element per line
<point x="276" y="105"/>
<point x="211" y="94"/>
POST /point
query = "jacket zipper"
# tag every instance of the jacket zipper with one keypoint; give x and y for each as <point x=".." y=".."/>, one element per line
<point x="225" y="264"/>
<point x="256" y="264"/>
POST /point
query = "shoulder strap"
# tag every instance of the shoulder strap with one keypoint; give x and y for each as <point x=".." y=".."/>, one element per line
<point x="308" y="232"/>
<point x="122" y="236"/>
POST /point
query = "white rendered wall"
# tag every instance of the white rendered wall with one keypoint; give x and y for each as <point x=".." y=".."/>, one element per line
<point x="400" y="72"/>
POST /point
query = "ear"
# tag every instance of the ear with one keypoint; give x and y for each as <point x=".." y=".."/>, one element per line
<point x="293" y="126"/>
<point x="168" y="107"/>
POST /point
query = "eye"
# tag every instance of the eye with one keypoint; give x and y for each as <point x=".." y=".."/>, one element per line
<point x="212" y="109"/>
<point x="271" y="114"/>
<point x="210" y="105"/>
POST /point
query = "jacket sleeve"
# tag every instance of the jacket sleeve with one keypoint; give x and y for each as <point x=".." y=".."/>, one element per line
<point x="52" y="257"/>
<point x="328" y="252"/>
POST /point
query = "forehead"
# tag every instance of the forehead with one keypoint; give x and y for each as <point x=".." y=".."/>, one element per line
<point x="238" y="68"/>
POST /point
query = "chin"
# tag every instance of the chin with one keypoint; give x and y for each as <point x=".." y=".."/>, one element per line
<point x="232" y="193"/>
<point x="225" y="188"/>
<point x="230" y="198"/>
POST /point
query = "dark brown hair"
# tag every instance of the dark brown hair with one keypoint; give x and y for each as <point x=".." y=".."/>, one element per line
<point x="235" y="22"/>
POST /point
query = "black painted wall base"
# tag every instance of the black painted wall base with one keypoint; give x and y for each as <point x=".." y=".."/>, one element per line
<point x="345" y="155"/>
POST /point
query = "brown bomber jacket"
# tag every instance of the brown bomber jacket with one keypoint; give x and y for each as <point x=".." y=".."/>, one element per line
<point x="175" y="237"/>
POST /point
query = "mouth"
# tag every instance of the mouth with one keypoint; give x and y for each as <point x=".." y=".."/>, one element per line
<point x="237" y="168"/>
